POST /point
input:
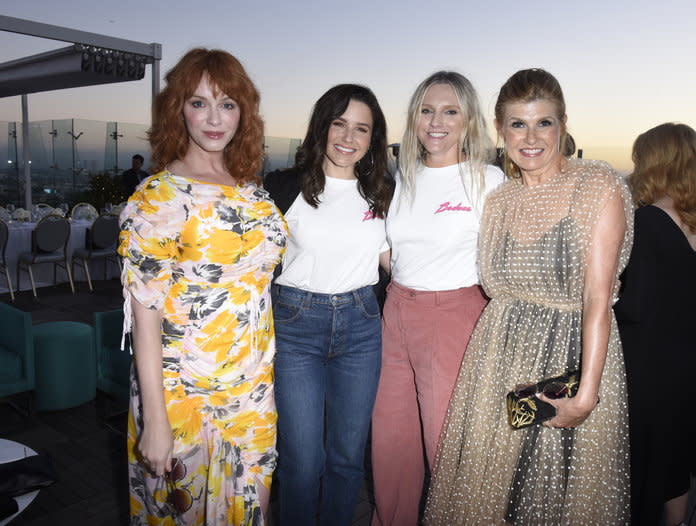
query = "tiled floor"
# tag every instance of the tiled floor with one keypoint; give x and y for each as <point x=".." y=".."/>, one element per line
<point x="89" y="457"/>
<point x="88" y="452"/>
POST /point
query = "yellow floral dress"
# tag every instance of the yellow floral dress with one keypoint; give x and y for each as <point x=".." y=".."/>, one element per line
<point x="203" y="255"/>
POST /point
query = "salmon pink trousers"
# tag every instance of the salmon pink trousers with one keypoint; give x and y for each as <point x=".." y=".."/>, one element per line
<point x="424" y="336"/>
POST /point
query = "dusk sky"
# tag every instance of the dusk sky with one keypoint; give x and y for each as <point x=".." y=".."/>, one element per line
<point x="625" y="66"/>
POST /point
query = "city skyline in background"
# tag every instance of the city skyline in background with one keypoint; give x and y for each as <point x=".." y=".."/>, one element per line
<point x="69" y="157"/>
<point x="624" y="66"/>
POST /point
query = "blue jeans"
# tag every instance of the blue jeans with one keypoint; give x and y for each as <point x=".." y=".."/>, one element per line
<point x="329" y="349"/>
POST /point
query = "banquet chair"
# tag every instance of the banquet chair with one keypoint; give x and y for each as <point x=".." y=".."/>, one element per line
<point x="16" y="352"/>
<point x="84" y="211"/>
<point x="5" y="214"/>
<point x="102" y="238"/>
<point x="4" y="236"/>
<point x="49" y="242"/>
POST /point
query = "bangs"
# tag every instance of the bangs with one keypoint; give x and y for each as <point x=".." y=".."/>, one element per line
<point x="225" y="75"/>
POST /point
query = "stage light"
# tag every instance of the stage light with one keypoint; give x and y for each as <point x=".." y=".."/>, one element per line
<point x="98" y="61"/>
<point x="76" y="65"/>
<point x="109" y="64"/>
<point x="86" y="61"/>
<point x="131" y="67"/>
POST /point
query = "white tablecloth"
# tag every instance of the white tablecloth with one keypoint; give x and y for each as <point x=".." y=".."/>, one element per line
<point x="19" y="240"/>
<point x="9" y="451"/>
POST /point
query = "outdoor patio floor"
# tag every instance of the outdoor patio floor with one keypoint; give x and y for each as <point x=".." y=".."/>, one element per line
<point x="87" y="446"/>
<point x="88" y="443"/>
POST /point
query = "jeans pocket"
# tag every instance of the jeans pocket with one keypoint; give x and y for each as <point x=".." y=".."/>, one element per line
<point x="369" y="306"/>
<point x="285" y="312"/>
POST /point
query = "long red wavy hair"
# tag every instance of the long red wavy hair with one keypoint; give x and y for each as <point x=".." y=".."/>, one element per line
<point x="168" y="136"/>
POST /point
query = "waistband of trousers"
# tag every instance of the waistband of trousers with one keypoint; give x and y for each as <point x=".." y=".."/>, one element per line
<point x="307" y="298"/>
<point x="432" y="296"/>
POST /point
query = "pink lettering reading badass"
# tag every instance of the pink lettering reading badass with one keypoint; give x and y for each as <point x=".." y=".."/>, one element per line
<point x="369" y="215"/>
<point x="446" y="207"/>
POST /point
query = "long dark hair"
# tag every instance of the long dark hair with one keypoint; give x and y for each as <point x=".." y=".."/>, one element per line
<point x="374" y="181"/>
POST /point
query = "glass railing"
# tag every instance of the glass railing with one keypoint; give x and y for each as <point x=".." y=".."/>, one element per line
<point x="75" y="160"/>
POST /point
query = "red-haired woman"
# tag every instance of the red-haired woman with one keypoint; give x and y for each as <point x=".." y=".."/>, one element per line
<point x="655" y="314"/>
<point x="200" y="241"/>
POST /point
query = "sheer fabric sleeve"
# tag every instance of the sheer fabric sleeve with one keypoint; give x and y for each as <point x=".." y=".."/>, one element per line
<point x="492" y="219"/>
<point x="598" y="185"/>
<point x="151" y="225"/>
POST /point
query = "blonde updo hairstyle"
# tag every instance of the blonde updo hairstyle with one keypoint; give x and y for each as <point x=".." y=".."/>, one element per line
<point x="529" y="85"/>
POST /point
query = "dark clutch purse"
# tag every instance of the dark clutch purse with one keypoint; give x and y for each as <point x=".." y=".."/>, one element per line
<point x="526" y="409"/>
<point x="25" y="475"/>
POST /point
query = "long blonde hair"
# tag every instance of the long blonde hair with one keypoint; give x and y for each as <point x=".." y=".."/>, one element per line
<point x="475" y="146"/>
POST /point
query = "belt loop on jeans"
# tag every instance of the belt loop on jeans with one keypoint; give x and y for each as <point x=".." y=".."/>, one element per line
<point x="356" y="298"/>
<point x="307" y="300"/>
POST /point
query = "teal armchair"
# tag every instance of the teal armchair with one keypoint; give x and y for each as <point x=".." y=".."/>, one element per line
<point x="113" y="364"/>
<point x="16" y="351"/>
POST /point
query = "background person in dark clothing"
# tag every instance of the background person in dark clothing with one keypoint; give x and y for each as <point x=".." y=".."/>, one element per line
<point x="133" y="176"/>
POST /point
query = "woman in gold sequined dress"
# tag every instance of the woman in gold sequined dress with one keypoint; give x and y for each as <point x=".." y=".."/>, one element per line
<point x="553" y="240"/>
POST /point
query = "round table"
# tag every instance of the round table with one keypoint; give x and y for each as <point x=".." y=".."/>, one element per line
<point x="9" y="451"/>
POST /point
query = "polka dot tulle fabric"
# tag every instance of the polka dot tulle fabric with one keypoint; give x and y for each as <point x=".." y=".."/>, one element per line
<point x="534" y="243"/>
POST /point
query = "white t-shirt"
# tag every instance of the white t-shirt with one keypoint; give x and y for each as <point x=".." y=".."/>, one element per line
<point x="434" y="241"/>
<point x="335" y="247"/>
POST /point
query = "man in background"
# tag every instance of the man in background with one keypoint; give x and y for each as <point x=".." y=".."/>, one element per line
<point x="133" y="176"/>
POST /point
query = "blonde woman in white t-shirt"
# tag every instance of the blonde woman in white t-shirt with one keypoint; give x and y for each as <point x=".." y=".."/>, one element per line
<point x="327" y="320"/>
<point x="434" y="298"/>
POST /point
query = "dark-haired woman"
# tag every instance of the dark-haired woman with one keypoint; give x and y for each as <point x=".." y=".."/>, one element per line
<point x="200" y="241"/>
<point x="326" y="315"/>
<point x="656" y="314"/>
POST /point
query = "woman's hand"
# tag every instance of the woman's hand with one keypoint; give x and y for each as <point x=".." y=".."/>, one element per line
<point x="156" y="441"/>
<point x="570" y="412"/>
<point x="156" y="446"/>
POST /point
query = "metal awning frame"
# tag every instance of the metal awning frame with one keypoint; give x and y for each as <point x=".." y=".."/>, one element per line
<point x="152" y="54"/>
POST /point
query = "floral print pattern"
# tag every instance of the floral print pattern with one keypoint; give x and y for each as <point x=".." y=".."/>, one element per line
<point x="203" y="255"/>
